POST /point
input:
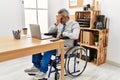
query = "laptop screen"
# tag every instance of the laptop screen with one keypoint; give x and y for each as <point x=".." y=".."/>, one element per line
<point x="36" y="33"/>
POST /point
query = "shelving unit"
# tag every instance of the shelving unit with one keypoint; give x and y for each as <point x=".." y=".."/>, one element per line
<point x="89" y="34"/>
<point x="86" y="19"/>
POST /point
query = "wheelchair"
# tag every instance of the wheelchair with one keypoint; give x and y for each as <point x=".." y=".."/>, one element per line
<point x="74" y="65"/>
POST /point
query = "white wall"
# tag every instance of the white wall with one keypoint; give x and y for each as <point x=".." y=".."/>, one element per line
<point x="53" y="7"/>
<point x="11" y="15"/>
<point x="111" y="10"/>
<point x="108" y="8"/>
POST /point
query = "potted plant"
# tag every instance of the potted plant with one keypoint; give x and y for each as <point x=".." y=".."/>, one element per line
<point x="96" y="41"/>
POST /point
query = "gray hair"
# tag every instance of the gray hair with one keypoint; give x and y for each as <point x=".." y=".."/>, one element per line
<point x="64" y="12"/>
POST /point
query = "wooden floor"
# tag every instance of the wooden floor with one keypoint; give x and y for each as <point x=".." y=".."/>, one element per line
<point x="14" y="70"/>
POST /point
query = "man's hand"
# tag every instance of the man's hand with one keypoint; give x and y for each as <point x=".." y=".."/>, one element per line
<point x="58" y="19"/>
<point x="59" y="35"/>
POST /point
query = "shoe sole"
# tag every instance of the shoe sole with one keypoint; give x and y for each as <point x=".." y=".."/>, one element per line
<point x="31" y="74"/>
<point x="43" y="79"/>
<point x="40" y="77"/>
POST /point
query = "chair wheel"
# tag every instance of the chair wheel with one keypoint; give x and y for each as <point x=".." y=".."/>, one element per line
<point x="73" y="58"/>
<point x="57" y="76"/>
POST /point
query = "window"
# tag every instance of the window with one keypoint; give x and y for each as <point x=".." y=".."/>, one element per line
<point x="36" y="12"/>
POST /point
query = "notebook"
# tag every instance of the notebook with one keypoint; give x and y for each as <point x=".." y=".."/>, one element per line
<point x="36" y="32"/>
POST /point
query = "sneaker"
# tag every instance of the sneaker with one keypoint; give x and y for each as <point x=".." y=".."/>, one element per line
<point x="31" y="70"/>
<point x="40" y="75"/>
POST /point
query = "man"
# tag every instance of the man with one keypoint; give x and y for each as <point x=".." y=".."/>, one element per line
<point x="64" y="27"/>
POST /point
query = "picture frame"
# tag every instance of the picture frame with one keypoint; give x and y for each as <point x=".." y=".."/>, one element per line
<point x="75" y="3"/>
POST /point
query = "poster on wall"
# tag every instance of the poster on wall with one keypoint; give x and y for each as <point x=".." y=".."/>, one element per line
<point x="75" y="3"/>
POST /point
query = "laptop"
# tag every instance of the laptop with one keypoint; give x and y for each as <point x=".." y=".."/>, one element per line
<point x="36" y="32"/>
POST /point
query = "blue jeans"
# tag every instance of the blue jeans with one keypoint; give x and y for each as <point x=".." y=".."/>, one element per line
<point x="41" y="61"/>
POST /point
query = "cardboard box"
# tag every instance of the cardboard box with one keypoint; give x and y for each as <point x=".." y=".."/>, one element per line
<point x="88" y="38"/>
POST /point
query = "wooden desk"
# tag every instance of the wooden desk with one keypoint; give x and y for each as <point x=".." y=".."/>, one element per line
<point x="11" y="48"/>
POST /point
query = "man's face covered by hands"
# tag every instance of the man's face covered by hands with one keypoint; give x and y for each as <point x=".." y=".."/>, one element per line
<point x="60" y="19"/>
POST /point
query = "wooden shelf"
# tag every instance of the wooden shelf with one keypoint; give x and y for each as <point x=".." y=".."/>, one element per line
<point x="89" y="29"/>
<point x="88" y="34"/>
<point x="83" y="11"/>
<point x="90" y="46"/>
<point x="88" y="11"/>
<point x="82" y="28"/>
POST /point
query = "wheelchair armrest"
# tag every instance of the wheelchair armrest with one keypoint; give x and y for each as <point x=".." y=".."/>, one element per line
<point x="51" y="34"/>
<point x="64" y="37"/>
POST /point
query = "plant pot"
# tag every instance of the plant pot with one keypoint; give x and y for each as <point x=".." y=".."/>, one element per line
<point x="96" y="44"/>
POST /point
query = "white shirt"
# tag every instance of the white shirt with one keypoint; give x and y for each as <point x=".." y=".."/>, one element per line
<point x="72" y="30"/>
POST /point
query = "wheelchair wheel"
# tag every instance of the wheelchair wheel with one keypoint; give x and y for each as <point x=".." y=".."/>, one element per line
<point x="74" y="65"/>
<point x="57" y="76"/>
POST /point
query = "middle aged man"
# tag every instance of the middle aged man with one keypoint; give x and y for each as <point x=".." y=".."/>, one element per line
<point x="64" y="27"/>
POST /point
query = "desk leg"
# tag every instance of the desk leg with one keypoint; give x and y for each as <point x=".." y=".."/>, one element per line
<point x="62" y="60"/>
